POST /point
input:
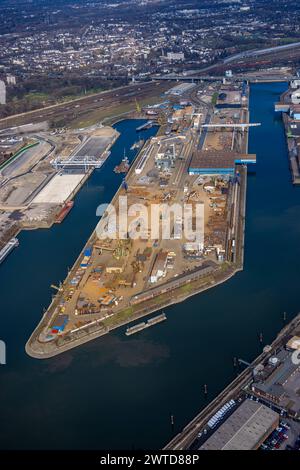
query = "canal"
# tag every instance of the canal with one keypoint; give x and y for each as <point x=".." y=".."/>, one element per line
<point x="118" y="391"/>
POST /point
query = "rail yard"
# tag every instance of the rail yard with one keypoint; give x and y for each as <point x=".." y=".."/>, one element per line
<point x="198" y="158"/>
<point x="89" y="109"/>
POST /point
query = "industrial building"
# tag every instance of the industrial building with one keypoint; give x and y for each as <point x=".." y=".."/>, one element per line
<point x="218" y="162"/>
<point x="167" y="153"/>
<point x="295" y="112"/>
<point x="295" y="84"/>
<point x="2" y="92"/>
<point x="279" y="382"/>
<point x="180" y="89"/>
<point x="245" y="429"/>
<point x="159" y="267"/>
<point x="175" y="55"/>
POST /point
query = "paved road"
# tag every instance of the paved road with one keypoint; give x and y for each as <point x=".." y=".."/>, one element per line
<point x="204" y="131"/>
<point x="21" y="160"/>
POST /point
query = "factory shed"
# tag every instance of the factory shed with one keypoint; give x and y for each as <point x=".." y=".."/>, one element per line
<point x="218" y="162"/>
<point x="280" y="382"/>
<point x="245" y="429"/>
<point x="295" y="112"/>
<point x="293" y="343"/>
<point x="159" y="267"/>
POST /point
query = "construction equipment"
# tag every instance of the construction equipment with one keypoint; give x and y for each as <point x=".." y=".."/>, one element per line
<point x="121" y="250"/>
<point x="162" y="119"/>
<point x="103" y="248"/>
<point x="136" y="266"/>
<point x="59" y="289"/>
<point x="137" y="106"/>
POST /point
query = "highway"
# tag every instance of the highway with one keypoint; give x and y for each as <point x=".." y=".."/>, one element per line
<point x="202" y="74"/>
<point x="258" y="52"/>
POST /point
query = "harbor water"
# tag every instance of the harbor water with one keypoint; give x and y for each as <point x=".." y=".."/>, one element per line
<point x="118" y="391"/>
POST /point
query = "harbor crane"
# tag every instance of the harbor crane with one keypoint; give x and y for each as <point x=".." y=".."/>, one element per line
<point x="77" y="161"/>
<point x="59" y="289"/>
<point x="137" y="106"/>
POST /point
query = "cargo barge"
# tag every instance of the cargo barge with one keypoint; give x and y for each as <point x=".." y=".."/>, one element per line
<point x="64" y="212"/>
<point x="141" y="326"/>
<point x="137" y="145"/>
<point x="8" y="248"/>
<point x="147" y="125"/>
<point x="123" y="167"/>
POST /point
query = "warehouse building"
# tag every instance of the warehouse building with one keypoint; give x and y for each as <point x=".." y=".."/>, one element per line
<point x="245" y="429"/>
<point x="211" y="162"/>
<point x="2" y="92"/>
<point x="180" y="89"/>
<point x="295" y="111"/>
<point x="159" y="267"/>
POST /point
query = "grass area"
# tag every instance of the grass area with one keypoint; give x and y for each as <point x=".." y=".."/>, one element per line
<point x="120" y="317"/>
<point x="96" y="116"/>
<point x="186" y="288"/>
<point x="214" y="98"/>
<point x="224" y="266"/>
<point x="161" y="300"/>
<point x="290" y="40"/>
<point x="36" y="96"/>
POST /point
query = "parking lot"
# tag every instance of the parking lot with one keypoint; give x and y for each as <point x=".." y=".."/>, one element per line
<point x="285" y="437"/>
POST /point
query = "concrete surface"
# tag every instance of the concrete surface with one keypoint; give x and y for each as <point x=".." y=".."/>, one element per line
<point x="58" y="189"/>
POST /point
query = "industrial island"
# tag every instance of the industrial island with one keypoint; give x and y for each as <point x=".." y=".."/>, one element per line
<point x="43" y="167"/>
<point x="199" y="156"/>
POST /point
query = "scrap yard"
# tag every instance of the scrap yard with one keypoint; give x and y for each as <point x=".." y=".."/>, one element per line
<point x="128" y="271"/>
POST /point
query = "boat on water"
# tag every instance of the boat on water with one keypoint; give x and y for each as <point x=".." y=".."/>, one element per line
<point x="147" y="125"/>
<point x="7" y="249"/>
<point x="64" y="212"/>
<point x="124" y="166"/>
<point x="137" y="145"/>
<point x="141" y="326"/>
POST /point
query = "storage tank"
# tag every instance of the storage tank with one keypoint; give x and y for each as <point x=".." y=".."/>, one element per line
<point x="274" y="361"/>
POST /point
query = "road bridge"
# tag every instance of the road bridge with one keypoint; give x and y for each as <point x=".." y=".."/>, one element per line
<point x="234" y="78"/>
<point x="238" y="125"/>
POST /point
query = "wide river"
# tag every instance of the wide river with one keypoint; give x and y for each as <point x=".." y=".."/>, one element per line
<point x="118" y="391"/>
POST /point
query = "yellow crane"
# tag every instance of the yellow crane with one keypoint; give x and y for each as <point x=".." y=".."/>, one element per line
<point x="59" y="289"/>
<point x="137" y="106"/>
